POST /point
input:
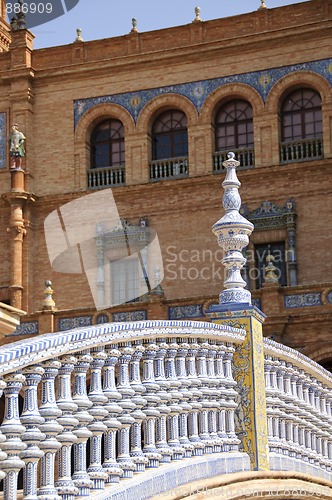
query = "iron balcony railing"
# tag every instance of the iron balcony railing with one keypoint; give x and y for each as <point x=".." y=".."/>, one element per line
<point x="171" y="168"/>
<point x="308" y="149"/>
<point x="246" y="157"/>
<point x="106" y="177"/>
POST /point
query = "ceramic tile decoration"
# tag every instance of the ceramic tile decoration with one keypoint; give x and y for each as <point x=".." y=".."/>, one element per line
<point x="197" y="92"/>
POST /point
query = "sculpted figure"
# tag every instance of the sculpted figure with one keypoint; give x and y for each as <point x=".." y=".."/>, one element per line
<point x="16" y="147"/>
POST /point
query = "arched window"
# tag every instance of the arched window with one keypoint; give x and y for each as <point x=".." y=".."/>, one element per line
<point x="170" y="137"/>
<point x="107" y="166"/>
<point x="234" y="126"/>
<point x="107" y="144"/>
<point x="234" y="132"/>
<point x="301" y="126"/>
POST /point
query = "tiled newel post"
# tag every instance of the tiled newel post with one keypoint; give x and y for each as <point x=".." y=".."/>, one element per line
<point x="235" y="309"/>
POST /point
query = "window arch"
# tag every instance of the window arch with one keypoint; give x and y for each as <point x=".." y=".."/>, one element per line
<point x="301" y="125"/>
<point x="107" y="144"/>
<point x="234" y="131"/>
<point x="170" y="135"/>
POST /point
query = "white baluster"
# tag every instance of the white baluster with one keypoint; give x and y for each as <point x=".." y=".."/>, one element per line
<point x="128" y="406"/>
<point x="204" y="414"/>
<point x="95" y="470"/>
<point x="80" y="477"/>
<point x="65" y="486"/>
<point x="180" y="367"/>
<point x="32" y="421"/>
<point x="214" y="397"/>
<point x="165" y="397"/>
<point x="51" y="428"/>
<point x="136" y="429"/>
<point x="13" y="430"/>
<point x="173" y="418"/>
<point x="114" y="410"/>
<point x="195" y="385"/>
<point x="231" y="395"/>
<point x="151" y="409"/>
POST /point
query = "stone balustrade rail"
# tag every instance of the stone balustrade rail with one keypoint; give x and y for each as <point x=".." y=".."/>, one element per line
<point x="128" y="410"/>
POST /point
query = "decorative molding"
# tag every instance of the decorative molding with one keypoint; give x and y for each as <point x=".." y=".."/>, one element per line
<point x="130" y="316"/>
<point x="181" y="312"/>
<point x="271" y="216"/>
<point x="303" y="300"/>
<point x="197" y="92"/>
<point x="27" y="328"/>
<point x="77" y="322"/>
<point x="3" y="142"/>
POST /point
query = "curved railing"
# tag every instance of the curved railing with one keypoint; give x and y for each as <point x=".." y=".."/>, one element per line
<point x="115" y="400"/>
<point x="299" y="411"/>
<point x="118" y="407"/>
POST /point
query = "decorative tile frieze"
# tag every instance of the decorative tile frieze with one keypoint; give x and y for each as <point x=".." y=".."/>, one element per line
<point x="3" y="141"/>
<point x="130" y="316"/>
<point x="303" y="300"/>
<point x="102" y="318"/>
<point x="27" y="328"/>
<point x="181" y="312"/>
<point x="77" y="322"/>
<point x="197" y="92"/>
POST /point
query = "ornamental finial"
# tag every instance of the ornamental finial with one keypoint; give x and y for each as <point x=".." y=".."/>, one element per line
<point x="48" y="302"/>
<point x="134" y="25"/>
<point x="233" y="232"/>
<point x="197" y="15"/>
<point x="79" y="35"/>
<point x="262" y="5"/>
<point x="271" y="275"/>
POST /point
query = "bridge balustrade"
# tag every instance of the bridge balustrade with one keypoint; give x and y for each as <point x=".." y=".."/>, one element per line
<point x="128" y="410"/>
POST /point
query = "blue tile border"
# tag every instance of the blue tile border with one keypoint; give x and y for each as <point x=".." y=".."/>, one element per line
<point x="303" y="300"/>
<point x="198" y="91"/>
<point x="182" y="312"/>
<point x="26" y="328"/>
<point x="76" y="322"/>
<point x="130" y="316"/>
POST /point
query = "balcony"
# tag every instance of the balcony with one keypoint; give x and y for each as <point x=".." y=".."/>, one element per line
<point x="295" y="151"/>
<point x="106" y="177"/>
<point x="246" y="157"/>
<point x="171" y="168"/>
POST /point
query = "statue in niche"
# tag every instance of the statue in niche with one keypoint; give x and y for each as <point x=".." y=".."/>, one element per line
<point x="16" y="147"/>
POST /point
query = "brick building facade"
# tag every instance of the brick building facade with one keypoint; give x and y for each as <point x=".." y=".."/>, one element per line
<point x="151" y="116"/>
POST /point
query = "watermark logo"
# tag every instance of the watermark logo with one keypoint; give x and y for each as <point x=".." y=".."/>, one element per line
<point x="36" y="12"/>
<point x="121" y="262"/>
